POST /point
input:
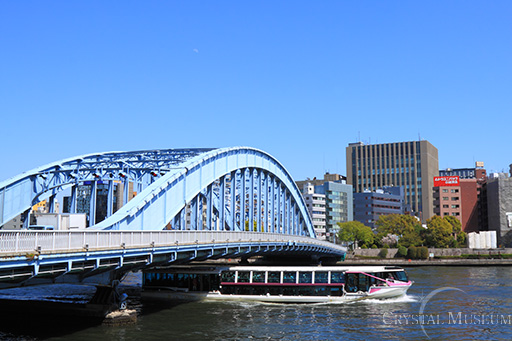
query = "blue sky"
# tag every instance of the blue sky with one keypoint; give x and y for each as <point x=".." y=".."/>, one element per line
<point x="299" y="80"/>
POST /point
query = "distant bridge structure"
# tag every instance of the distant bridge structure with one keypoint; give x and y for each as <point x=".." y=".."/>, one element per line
<point x="190" y="204"/>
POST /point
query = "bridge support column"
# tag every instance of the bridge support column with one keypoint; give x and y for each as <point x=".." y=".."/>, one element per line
<point x="233" y="201"/>
<point x="288" y="213"/>
<point x="126" y="191"/>
<point x="266" y="205"/>
<point x="251" y="199"/>
<point x="222" y="204"/>
<point x="295" y="219"/>
<point x="92" y="204"/>
<point x="110" y="198"/>
<point x="51" y="203"/>
<point x="72" y="206"/>
<point x="183" y="222"/>
<point x="273" y="205"/>
<point x="176" y="222"/>
<point x="279" y="200"/>
<point x="193" y="214"/>
<point x="209" y="207"/>
<point x="109" y="295"/>
<point x="242" y="199"/>
<point x="259" y="227"/>
<point x="25" y="216"/>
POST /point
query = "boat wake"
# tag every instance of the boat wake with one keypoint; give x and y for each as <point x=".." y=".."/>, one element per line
<point x="401" y="299"/>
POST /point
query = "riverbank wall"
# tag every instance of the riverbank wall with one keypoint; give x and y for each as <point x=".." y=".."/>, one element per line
<point x="441" y="257"/>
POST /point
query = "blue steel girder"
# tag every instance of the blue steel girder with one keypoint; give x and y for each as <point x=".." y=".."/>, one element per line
<point x="168" y="182"/>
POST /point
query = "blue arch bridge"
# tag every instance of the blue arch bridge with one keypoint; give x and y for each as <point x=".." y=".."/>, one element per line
<point x="190" y="205"/>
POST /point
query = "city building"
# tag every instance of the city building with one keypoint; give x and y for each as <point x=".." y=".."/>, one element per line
<point x="316" y="207"/>
<point x="411" y="165"/>
<point x="461" y="193"/>
<point x="338" y="205"/>
<point x="338" y="201"/>
<point x="499" y="208"/>
<point x="369" y="206"/>
<point x="320" y="182"/>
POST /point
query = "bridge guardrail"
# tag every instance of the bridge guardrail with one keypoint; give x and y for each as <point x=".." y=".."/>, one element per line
<point x="14" y="242"/>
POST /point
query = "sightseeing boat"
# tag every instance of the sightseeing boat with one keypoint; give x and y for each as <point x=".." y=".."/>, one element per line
<point x="277" y="284"/>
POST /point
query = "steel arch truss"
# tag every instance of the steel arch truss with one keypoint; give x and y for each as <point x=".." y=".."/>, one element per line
<point x="235" y="189"/>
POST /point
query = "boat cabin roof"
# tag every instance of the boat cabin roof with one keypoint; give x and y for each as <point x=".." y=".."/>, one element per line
<point x="317" y="268"/>
<point x="218" y="269"/>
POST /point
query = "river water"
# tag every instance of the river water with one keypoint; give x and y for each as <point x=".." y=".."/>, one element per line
<point x="457" y="303"/>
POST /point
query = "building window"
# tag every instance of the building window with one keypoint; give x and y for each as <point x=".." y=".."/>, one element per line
<point x="445" y="190"/>
<point x="445" y="198"/>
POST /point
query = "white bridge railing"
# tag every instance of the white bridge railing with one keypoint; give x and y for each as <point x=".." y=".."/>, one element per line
<point x="21" y="242"/>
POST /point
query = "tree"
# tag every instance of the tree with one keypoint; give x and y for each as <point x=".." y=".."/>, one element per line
<point x="439" y="232"/>
<point x="402" y="251"/>
<point x="389" y="240"/>
<point x="355" y="232"/>
<point x="406" y="227"/>
<point x="383" y="253"/>
<point x="459" y="237"/>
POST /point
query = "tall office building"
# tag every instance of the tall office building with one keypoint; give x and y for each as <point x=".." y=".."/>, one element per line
<point x="411" y="165"/>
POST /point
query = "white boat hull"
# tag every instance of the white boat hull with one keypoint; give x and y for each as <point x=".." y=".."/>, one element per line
<point x="382" y="293"/>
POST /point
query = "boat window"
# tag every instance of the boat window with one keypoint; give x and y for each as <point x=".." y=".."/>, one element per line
<point x="289" y="277"/>
<point x="321" y="277"/>
<point x="363" y="282"/>
<point x="305" y="277"/>
<point x="337" y="277"/>
<point x="373" y="280"/>
<point x="389" y="276"/>
<point x="401" y="276"/>
<point x="228" y="276"/>
<point x="258" y="276"/>
<point x="352" y="282"/>
<point x="274" y="277"/>
<point x="243" y="276"/>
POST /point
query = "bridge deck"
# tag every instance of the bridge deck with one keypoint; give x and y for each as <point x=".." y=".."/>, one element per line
<point x="52" y="256"/>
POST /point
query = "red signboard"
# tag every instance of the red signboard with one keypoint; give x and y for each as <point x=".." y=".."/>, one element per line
<point x="446" y="181"/>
